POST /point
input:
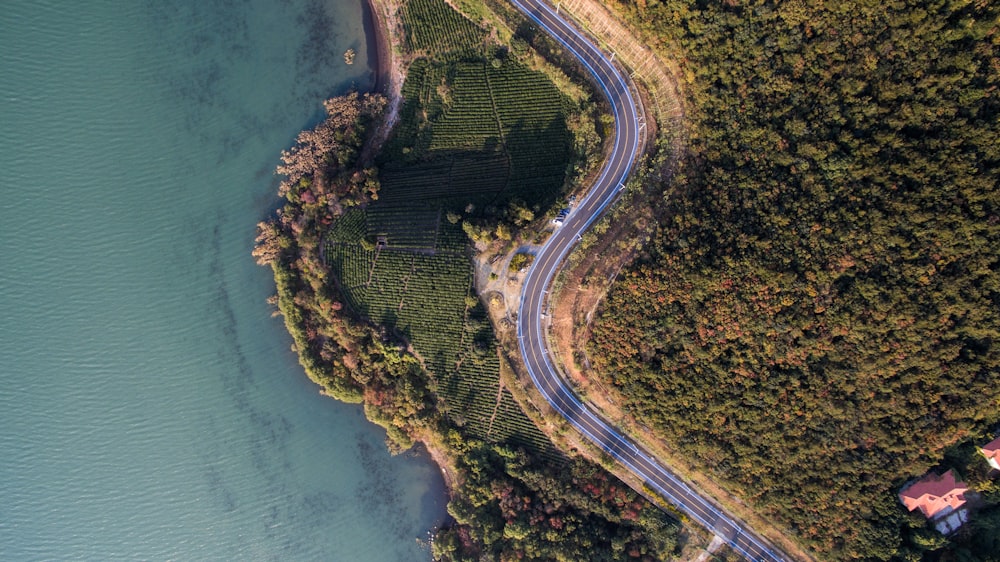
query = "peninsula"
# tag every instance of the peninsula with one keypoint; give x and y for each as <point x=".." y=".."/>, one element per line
<point x="475" y="134"/>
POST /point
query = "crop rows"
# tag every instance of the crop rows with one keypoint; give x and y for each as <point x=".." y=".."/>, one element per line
<point x="433" y="26"/>
<point x="397" y="222"/>
<point x="431" y="103"/>
<point x="471" y="393"/>
<point x="522" y="93"/>
<point x="351" y="265"/>
<point x="502" y="131"/>
<point x="422" y="295"/>
<point x="349" y="228"/>
<point x="470" y="131"/>
<point x="452" y="239"/>
<point x="419" y="183"/>
<point x="419" y="230"/>
<point x="416" y="184"/>
<point x="463" y="177"/>
<point x="471" y="175"/>
<point x="533" y="114"/>
<point x="513" y="425"/>
<point x="421" y="106"/>
<point x="412" y="116"/>
<point x="433" y="307"/>
<point x="470" y="122"/>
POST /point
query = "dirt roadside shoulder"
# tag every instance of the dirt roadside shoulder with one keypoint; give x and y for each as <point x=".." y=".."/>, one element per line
<point x="390" y="68"/>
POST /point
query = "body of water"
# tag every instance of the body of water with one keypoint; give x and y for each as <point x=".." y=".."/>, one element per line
<point x="150" y="407"/>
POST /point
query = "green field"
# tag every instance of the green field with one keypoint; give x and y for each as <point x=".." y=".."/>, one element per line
<point x="375" y="283"/>
<point x="434" y="28"/>
<point x="476" y="127"/>
<point x="420" y="292"/>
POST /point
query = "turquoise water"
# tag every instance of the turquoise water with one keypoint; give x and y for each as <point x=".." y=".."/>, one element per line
<point x="150" y="407"/>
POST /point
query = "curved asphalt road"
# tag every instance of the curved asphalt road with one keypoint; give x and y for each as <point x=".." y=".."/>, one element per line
<point x="531" y="331"/>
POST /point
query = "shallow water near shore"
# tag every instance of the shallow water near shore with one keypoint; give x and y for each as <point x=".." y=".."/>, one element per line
<point x="150" y="407"/>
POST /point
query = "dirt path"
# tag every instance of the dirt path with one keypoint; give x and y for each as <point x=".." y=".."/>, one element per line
<point x="496" y="408"/>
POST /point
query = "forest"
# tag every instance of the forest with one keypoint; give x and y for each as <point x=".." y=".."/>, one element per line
<point x="816" y="319"/>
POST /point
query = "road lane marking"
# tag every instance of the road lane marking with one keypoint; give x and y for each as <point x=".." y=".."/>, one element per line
<point x="602" y="194"/>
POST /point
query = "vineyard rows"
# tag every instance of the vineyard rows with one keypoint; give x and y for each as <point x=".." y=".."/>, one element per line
<point x="502" y="132"/>
<point x="473" y="391"/>
<point x="418" y="232"/>
<point x="463" y="177"/>
<point x="423" y="296"/>
<point x="533" y="114"/>
<point x="421" y="105"/>
<point x="433" y="26"/>
<point x="472" y="129"/>
<point x="471" y="120"/>
<point x="349" y="228"/>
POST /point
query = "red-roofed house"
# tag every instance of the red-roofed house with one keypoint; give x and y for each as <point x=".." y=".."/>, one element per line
<point x="940" y="498"/>
<point x="992" y="453"/>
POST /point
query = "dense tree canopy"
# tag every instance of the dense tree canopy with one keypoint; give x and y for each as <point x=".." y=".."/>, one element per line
<point x="816" y="321"/>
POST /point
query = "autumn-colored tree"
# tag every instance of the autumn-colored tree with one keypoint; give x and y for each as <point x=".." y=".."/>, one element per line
<point x="817" y="320"/>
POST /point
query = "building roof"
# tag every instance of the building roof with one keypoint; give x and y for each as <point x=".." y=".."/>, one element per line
<point x="992" y="449"/>
<point x="934" y="493"/>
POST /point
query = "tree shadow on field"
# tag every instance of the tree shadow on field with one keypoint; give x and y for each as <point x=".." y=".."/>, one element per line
<point x="389" y="319"/>
<point x="531" y="164"/>
<point x="444" y="177"/>
<point x="539" y="157"/>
